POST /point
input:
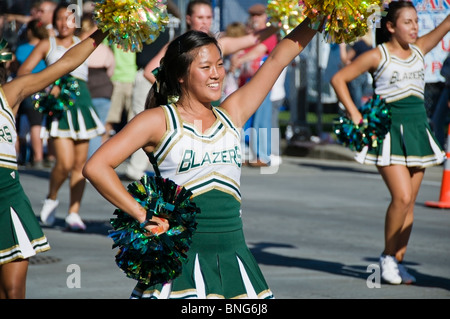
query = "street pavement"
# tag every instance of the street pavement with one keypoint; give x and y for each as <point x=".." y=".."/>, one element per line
<point x="315" y="226"/>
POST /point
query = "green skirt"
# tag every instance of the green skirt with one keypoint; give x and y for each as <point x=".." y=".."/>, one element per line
<point x="21" y="236"/>
<point x="410" y="140"/>
<point x="79" y="122"/>
<point x="220" y="265"/>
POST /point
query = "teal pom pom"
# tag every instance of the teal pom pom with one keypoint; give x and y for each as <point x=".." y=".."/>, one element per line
<point x="371" y="132"/>
<point x="50" y="105"/>
<point x="148" y="258"/>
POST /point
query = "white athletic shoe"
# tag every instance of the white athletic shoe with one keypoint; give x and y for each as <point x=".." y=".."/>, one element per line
<point x="48" y="211"/>
<point x="74" y="222"/>
<point x="389" y="270"/>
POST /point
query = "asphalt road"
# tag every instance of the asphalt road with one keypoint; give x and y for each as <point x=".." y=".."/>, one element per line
<point x="315" y="226"/>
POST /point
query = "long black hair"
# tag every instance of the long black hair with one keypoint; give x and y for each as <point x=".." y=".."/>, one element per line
<point x="382" y="34"/>
<point x="175" y="65"/>
<point x="3" y="73"/>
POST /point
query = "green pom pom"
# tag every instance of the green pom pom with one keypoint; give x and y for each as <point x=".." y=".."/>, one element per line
<point x="153" y="259"/>
<point x="371" y="132"/>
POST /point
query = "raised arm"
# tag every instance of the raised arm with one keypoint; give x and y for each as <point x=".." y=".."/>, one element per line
<point x="27" y="84"/>
<point x="428" y="41"/>
<point x="246" y="100"/>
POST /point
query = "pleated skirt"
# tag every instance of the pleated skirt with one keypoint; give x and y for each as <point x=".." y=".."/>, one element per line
<point x="79" y="122"/>
<point x="219" y="267"/>
<point x="219" y="263"/>
<point x="410" y="141"/>
<point x="21" y="235"/>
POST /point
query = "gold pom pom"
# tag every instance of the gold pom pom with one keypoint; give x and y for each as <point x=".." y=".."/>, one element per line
<point x="341" y="20"/>
<point x="131" y="23"/>
<point x="285" y="14"/>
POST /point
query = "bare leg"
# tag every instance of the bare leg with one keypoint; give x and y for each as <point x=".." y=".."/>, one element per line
<point x="13" y="278"/>
<point x="403" y="184"/>
<point x="64" y="151"/>
<point x="36" y="143"/>
<point x="77" y="180"/>
<point x="405" y="233"/>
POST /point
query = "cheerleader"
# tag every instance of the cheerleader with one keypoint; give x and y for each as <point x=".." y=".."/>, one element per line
<point x="197" y="145"/>
<point x="21" y="236"/>
<point x="397" y="68"/>
<point x="70" y="133"/>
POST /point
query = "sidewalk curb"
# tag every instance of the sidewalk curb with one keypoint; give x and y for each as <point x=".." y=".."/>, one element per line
<point x="321" y="151"/>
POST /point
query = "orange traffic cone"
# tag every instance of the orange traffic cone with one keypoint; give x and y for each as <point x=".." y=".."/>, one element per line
<point x="444" y="198"/>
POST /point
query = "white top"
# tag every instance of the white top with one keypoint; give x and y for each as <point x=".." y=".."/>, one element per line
<point x="57" y="51"/>
<point x="8" y="134"/>
<point x="201" y="162"/>
<point x="397" y="78"/>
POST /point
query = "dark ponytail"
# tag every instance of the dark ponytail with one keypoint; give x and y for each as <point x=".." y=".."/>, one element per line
<point x="3" y="73"/>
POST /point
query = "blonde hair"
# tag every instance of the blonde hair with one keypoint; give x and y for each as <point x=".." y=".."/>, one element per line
<point x="236" y="29"/>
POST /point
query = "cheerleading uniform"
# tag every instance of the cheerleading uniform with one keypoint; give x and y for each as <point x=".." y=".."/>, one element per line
<point x="219" y="265"/>
<point x="21" y="236"/>
<point x="80" y="121"/>
<point x="410" y="140"/>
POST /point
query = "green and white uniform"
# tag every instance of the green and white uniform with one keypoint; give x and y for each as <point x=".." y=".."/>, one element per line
<point x="80" y="121"/>
<point x="220" y="265"/>
<point x="21" y="236"/>
<point x="410" y="141"/>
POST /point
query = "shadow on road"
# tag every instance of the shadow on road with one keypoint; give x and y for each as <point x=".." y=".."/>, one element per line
<point x="96" y="227"/>
<point x="338" y="168"/>
<point x="335" y="268"/>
